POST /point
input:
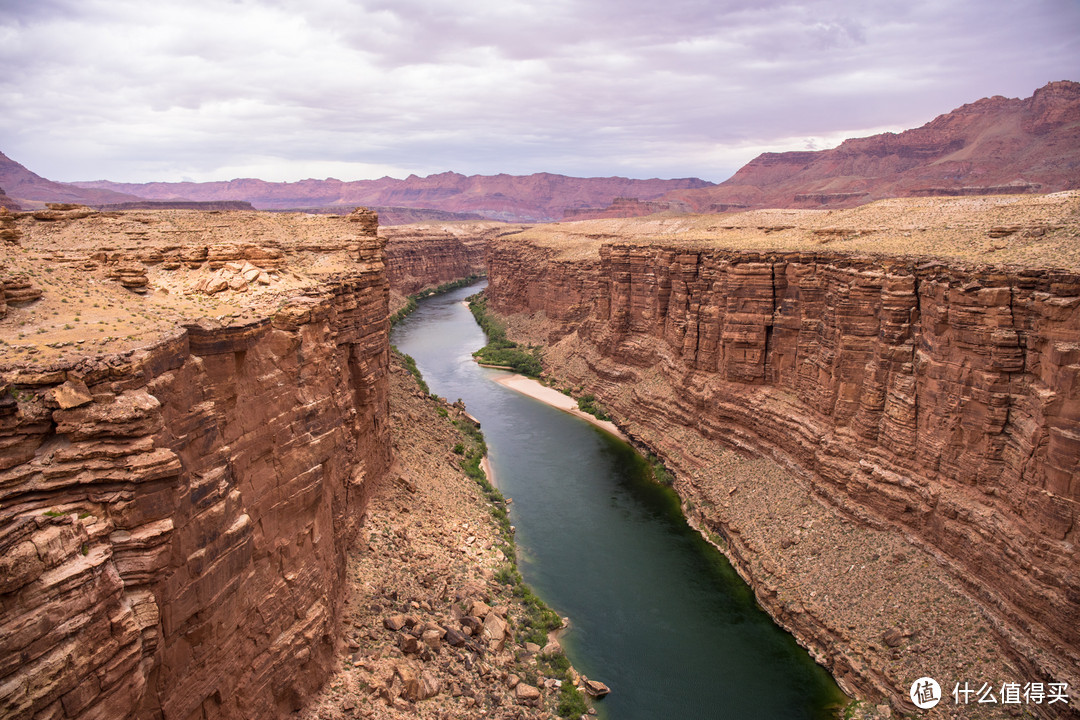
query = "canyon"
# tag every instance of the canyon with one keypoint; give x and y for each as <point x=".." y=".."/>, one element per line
<point x="874" y="412"/>
<point x="194" y="419"/>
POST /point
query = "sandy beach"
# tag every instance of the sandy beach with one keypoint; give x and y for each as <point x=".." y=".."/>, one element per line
<point x="485" y="465"/>
<point x="549" y="396"/>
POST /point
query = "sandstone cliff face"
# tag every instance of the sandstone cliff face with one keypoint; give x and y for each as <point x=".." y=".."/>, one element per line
<point x="422" y="256"/>
<point x="936" y="399"/>
<point x="174" y="518"/>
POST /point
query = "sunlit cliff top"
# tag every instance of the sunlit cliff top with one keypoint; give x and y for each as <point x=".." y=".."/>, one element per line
<point x="1023" y="230"/>
<point x="78" y="282"/>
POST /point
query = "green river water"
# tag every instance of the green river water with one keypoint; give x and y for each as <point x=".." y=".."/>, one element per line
<point x="657" y="613"/>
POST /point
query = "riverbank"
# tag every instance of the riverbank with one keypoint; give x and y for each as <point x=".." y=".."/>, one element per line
<point x="433" y="629"/>
<point x="875" y="609"/>
<point x="554" y="398"/>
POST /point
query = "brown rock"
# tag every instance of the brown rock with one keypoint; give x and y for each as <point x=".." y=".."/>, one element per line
<point x="409" y="644"/>
<point x="216" y="284"/>
<point x="595" y="688"/>
<point x="479" y="609"/>
<point x="71" y="394"/>
<point x="394" y="622"/>
<point x="526" y="695"/>
<point x="432" y="638"/>
<point x="495" y="629"/>
<point x="454" y="638"/>
<point x="893" y="637"/>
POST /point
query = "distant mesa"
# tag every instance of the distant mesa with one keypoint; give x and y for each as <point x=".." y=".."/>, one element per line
<point x="397" y="215"/>
<point x="178" y="205"/>
<point x="448" y="196"/>
<point x="627" y="207"/>
<point x="540" y="197"/>
<point x="990" y="147"/>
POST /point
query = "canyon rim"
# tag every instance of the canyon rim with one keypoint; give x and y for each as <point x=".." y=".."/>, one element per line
<point x="220" y="491"/>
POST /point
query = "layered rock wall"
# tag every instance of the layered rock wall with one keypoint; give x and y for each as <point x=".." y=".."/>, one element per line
<point x="420" y="257"/>
<point x="939" y="401"/>
<point x="173" y="520"/>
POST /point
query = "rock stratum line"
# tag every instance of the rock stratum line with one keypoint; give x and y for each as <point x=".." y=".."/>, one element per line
<point x="193" y="419"/>
<point x="931" y="398"/>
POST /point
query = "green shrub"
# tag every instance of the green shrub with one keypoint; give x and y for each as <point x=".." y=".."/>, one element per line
<point x="588" y="404"/>
<point x="410" y="365"/>
<point x="571" y="702"/>
<point x="499" y="350"/>
<point x="660" y="473"/>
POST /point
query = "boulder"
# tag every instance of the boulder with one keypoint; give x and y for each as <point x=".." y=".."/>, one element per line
<point x="432" y="638"/>
<point x="71" y="394"/>
<point x="479" y="609"/>
<point x="595" y="688"/>
<point x="394" y="622"/>
<point x="495" y="629"/>
<point x="526" y="695"/>
<point x="454" y="638"/>
<point x="216" y="284"/>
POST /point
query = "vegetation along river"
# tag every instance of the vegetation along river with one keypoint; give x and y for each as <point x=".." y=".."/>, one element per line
<point x="656" y="612"/>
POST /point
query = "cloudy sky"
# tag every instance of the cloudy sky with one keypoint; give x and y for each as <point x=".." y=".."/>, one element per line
<point x="140" y="90"/>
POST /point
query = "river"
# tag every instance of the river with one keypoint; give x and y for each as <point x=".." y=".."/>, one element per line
<point x="657" y="613"/>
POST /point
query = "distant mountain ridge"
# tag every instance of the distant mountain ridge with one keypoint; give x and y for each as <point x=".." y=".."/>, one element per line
<point x="993" y="146"/>
<point x="540" y="197"/>
<point x="28" y="188"/>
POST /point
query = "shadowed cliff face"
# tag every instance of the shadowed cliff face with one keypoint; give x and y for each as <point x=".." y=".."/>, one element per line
<point x="174" y="518"/>
<point x="936" y="399"/>
<point x="421" y="256"/>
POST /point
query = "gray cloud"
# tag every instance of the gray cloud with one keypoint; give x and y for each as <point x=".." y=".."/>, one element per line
<point x="130" y="90"/>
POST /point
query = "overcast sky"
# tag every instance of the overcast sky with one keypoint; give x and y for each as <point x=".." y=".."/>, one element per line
<point x="140" y="90"/>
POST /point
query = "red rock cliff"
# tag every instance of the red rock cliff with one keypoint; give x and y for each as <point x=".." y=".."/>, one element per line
<point x="939" y="400"/>
<point x="428" y="255"/>
<point x="173" y="520"/>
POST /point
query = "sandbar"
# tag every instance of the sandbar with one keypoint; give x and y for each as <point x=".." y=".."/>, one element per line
<point x="554" y="398"/>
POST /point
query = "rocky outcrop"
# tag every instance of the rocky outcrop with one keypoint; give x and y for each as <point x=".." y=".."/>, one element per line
<point x="400" y="215"/>
<point x="994" y="146"/>
<point x="9" y="233"/>
<point x="937" y="400"/>
<point x="18" y="289"/>
<point x="174" y="518"/>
